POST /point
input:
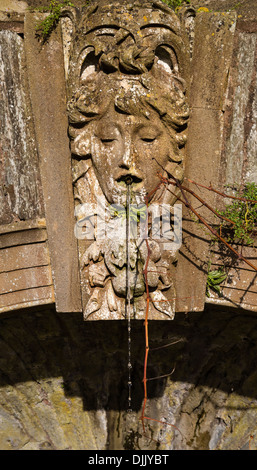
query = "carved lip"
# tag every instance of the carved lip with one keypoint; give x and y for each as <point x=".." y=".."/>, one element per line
<point x="132" y="179"/>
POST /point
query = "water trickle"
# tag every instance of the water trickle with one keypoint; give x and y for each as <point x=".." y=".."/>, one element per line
<point x="128" y="302"/>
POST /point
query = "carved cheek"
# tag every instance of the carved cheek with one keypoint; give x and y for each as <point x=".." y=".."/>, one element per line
<point x="110" y="157"/>
<point x="95" y="150"/>
<point x="103" y="159"/>
<point x="155" y="152"/>
<point x="160" y="150"/>
<point x="163" y="153"/>
<point x="103" y="154"/>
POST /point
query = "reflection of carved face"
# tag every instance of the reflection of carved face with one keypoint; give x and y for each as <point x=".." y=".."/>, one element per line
<point x="125" y="145"/>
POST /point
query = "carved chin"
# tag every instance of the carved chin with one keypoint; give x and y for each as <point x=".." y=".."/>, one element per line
<point x="137" y="283"/>
<point x="118" y="195"/>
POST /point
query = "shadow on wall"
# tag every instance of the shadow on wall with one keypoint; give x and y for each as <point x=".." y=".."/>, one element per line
<point x="216" y="348"/>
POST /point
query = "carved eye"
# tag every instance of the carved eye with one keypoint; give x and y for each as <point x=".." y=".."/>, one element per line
<point x="107" y="141"/>
<point x="148" y="139"/>
<point x="149" y="135"/>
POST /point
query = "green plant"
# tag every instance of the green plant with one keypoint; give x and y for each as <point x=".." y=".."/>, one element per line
<point x="243" y="213"/>
<point x="214" y="279"/>
<point x="237" y="5"/>
<point x="45" y="27"/>
<point x="136" y="213"/>
<point x="175" y="3"/>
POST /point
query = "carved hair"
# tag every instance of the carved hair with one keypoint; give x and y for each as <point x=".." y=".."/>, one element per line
<point x="117" y="41"/>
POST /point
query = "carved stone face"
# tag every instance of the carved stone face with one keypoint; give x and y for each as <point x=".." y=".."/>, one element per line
<point x="132" y="130"/>
<point x="128" y="115"/>
<point x="127" y="107"/>
<point x="128" y="146"/>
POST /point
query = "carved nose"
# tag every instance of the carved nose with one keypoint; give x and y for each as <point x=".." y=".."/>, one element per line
<point x="127" y="158"/>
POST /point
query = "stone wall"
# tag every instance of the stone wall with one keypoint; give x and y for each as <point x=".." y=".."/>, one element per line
<point x="64" y="382"/>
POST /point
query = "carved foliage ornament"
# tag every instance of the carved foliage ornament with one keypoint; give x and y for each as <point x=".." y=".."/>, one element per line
<point x="128" y="114"/>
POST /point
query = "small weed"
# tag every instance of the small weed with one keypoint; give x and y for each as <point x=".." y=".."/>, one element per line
<point x="214" y="279"/>
<point x="136" y="213"/>
<point x="244" y="215"/>
<point x="236" y="6"/>
<point x="174" y="4"/>
<point x="45" y="27"/>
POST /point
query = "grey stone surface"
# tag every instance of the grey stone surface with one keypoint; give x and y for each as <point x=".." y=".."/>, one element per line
<point x="20" y="193"/>
<point x="63" y="382"/>
<point x="241" y="137"/>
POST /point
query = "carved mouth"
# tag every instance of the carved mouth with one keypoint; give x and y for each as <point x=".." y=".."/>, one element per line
<point x="129" y="179"/>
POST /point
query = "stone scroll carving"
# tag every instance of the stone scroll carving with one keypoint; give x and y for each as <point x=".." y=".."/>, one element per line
<point x="128" y="115"/>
